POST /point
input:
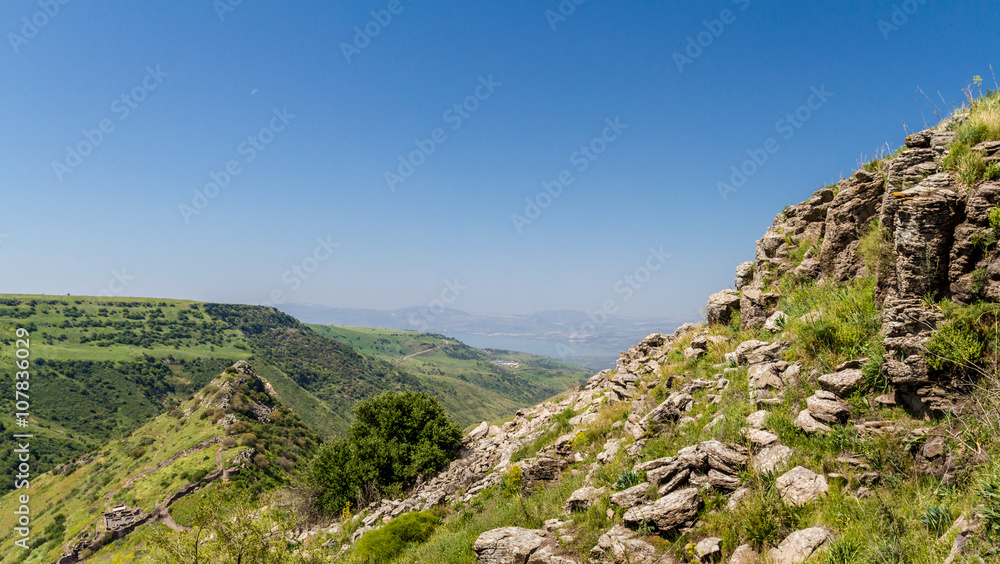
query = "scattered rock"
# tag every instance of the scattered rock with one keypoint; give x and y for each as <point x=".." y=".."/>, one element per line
<point x="760" y="438"/>
<point x="801" y="485"/>
<point x="827" y="407"/>
<point x="776" y="323"/>
<point x="808" y="423"/>
<point x="668" y="513"/>
<point x="709" y="549"/>
<point x="736" y="497"/>
<point x="507" y="545"/>
<point x="757" y="419"/>
<point x="619" y="546"/>
<point x="842" y="383"/>
<point x="631" y="497"/>
<point x="744" y="274"/>
<point x="721" y="307"/>
<point x="480" y="431"/>
<point x="583" y="498"/>
<point x="772" y="458"/>
<point x="744" y="554"/>
<point x="800" y="545"/>
<point x="669" y="411"/>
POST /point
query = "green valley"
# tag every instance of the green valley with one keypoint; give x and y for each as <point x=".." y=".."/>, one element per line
<point x="103" y="367"/>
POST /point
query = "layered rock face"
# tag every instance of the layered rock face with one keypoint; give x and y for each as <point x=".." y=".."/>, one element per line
<point x="930" y="223"/>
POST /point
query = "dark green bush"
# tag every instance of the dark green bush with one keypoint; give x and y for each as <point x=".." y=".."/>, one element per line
<point x="384" y="544"/>
<point x="395" y="437"/>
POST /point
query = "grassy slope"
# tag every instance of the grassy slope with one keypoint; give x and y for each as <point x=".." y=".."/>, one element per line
<point x="886" y="527"/>
<point x="85" y="491"/>
<point x="471" y="387"/>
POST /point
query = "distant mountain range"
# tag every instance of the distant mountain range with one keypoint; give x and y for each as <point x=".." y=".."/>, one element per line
<point x="568" y="335"/>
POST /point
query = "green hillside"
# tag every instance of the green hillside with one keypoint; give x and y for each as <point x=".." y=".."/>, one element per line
<point x="188" y="445"/>
<point x="471" y="382"/>
<point x="102" y="367"/>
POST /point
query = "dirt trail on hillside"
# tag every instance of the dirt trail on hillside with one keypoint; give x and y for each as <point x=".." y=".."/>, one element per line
<point x="409" y="356"/>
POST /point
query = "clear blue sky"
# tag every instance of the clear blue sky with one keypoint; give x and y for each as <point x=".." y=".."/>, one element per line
<point x="78" y="226"/>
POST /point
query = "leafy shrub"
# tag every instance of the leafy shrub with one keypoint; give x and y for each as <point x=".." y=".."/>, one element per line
<point x="994" y="218"/>
<point x="874" y="380"/>
<point x="989" y="490"/>
<point x="937" y="519"/>
<point x="626" y="480"/>
<point x="395" y="437"/>
<point x="963" y="338"/>
<point x="384" y="544"/>
<point x="984" y="240"/>
<point x="512" y="482"/>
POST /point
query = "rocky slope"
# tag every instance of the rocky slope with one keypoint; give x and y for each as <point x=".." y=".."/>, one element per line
<point x="822" y="414"/>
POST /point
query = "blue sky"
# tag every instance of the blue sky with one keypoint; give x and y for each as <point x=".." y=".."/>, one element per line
<point x="312" y="219"/>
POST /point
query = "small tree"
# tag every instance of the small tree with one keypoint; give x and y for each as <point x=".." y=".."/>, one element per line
<point x="244" y="534"/>
<point x="395" y="437"/>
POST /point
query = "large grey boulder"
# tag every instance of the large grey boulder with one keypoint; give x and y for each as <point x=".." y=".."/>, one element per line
<point x="842" y="383"/>
<point x="827" y="407"/>
<point x="772" y="458"/>
<point x="801" y="485"/>
<point x="800" y="545"/>
<point x="808" y="423"/>
<point x="766" y="376"/>
<point x="721" y="307"/>
<point x="629" y="498"/>
<point x="668" y="513"/>
<point x="508" y="545"/>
